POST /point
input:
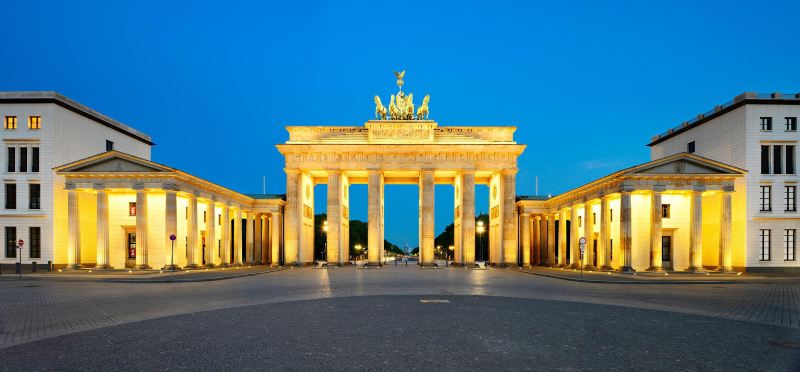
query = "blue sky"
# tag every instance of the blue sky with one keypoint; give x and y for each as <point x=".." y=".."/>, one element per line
<point x="587" y="84"/>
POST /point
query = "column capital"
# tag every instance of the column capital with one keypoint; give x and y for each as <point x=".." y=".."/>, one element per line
<point x="99" y="186"/>
<point x="698" y="188"/>
<point x="291" y="171"/>
<point x="509" y="171"/>
<point x="138" y="187"/>
<point x="727" y="189"/>
<point x="537" y="217"/>
<point x="659" y="188"/>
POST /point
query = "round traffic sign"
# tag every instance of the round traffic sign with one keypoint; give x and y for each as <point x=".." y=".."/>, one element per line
<point x="20" y="242"/>
<point x="171" y="236"/>
<point x="582" y="240"/>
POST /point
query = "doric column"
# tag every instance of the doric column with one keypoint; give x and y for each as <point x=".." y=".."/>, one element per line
<point x="588" y="232"/>
<point x="562" y="238"/>
<point x="237" y="237"/>
<point x="102" y="231"/>
<point x="468" y="217"/>
<point x="725" y="254"/>
<point x="292" y="221"/>
<point x="427" y="222"/>
<point x="170" y="227"/>
<point x="525" y="231"/>
<point x="258" y="238"/>
<point x="225" y="236"/>
<point x="277" y="229"/>
<point x="696" y="231"/>
<point x="536" y="256"/>
<point x="74" y="230"/>
<point x="374" y="218"/>
<point x="265" y="225"/>
<point x="510" y="217"/>
<point x="142" y="260"/>
<point x="625" y="231"/>
<point x="655" y="229"/>
<point x="603" y="246"/>
<point x="575" y="235"/>
<point x="334" y="235"/>
<point x="251" y="218"/>
<point x="551" y="240"/>
<point x="211" y="236"/>
<point x="192" y="238"/>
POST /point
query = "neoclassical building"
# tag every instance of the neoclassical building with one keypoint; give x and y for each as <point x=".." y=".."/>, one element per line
<point x="96" y="200"/>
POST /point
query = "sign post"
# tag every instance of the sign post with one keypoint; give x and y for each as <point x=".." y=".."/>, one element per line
<point x="582" y="242"/>
<point x="172" y="256"/>
<point x="20" y="243"/>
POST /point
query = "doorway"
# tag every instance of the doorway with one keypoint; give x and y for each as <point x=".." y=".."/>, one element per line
<point x="594" y="252"/>
<point x="666" y="252"/>
<point x="130" y="247"/>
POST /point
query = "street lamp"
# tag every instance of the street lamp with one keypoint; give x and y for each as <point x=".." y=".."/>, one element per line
<point x="439" y="250"/>
<point x="358" y="252"/>
<point x="480" y="229"/>
<point x="451" y="249"/>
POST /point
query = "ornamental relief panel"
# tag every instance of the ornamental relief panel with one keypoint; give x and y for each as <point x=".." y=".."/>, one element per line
<point x="498" y="160"/>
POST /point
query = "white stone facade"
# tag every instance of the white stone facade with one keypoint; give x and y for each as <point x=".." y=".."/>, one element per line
<point x="732" y="134"/>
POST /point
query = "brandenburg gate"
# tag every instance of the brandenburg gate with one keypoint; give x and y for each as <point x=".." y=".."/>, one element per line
<point x="406" y="148"/>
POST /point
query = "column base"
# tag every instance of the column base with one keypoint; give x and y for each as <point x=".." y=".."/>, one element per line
<point x="575" y="266"/>
<point x="103" y="267"/>
<point x="627" y="270"/>
<point x="606" y="268"/>
<point x="224" y="264"/>
<point x="655" y="269"/>
<point x="192" y="266"/>
<point x="171" y="267"/>
<point x="143" y="267"/>
<point x="696" y="270"/>
<point x="547" y="264"/>
<point x="726" y="269"/>
<point x="74" y="267"/>
<point x="209" y="266"/>
<point x="428" y="265"/>
<point x="590" y="268"/>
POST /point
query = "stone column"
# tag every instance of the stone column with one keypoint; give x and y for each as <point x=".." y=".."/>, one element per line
<point x="292" y="222"/>
<point x="725" y="254"/>
<point x="142" y="261"/>
<point x="588" y="232"/>
<point x="250" y="233"/>
<point x="211" y="236"/>
<point x="550" y="241"/>
<point x="536" y="257"/>
<point x="468" y="217"/>
<point x="265" y="225"/>
<point x="192" y="239"/>
<point x="525" y="231"/>
<point x="277" y="229"/>
<point x="374" y="218"/>
<point x="334" y="246"/>
<point x="170" y="227"/>
<point x="427" y="223"/>
<point x="575" y="235"/>
<point x="237" y="237"/>
<point x="509" y="217"/>
<point x="257" y="239"/>
<point x="625" y="231"/>
<point x="74" y="231"/>
<point x="655" y="229"/>
<point x="102" y="231"/>
<point x="696" y="231"/>
<point x="562" y="238"/>
<point x="225" y="236"/>
<point x="603" y="241"/>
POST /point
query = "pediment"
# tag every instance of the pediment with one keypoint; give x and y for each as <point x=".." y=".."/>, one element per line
<point x="684" y="165"/>
<point x="116" y="163"/>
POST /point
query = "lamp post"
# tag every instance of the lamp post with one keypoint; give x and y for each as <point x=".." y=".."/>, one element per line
<point x="172" y="256"/>
<point x="451" y="249"/>
<point x="480" y="229"/>
<point x="358" y="253"/>
<point x="325" y="230"/>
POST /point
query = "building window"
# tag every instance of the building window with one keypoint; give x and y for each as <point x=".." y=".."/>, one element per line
<point x="34" y="196"/>
<point x="766" y="198"/>
<point x="35" y="242"/>
<point x="204" y="216"/>
<point x="11" y="122"/>
<point x="791" y="124"/>
<point x="34" y="122"/>
<point x="12" y="159"/>
<point x="765" y="237"/>
<point x="594" y="218"/>
<point x="610" y="215"/>
<point x="764" y="159"/>
<point x="777" y="156"/>
<point x="34" y="159"/>
<point x="791" y="198"/>
<point x="131" y="209"/>
<point x="766" y="123"/>
<point x="23" y="159"/>
<point x="580" y="221"/>
<point x="187" y="213"/>
<point x="790" y="168"/>
<point x="665" y="210"/>
<point x="11" y="242"/>
<point x="690" y="147"/>
<point x="11" y="196"/>
<point x="789" y="242"/>
<point x="109" y="145"/>
<point x="610" y="249"/>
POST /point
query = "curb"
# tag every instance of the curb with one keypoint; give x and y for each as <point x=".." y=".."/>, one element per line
<point x="628" y="281"/>
<point x="164" y="280"/>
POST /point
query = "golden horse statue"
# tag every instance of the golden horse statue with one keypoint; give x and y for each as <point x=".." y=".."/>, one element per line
<point x="380" y="110"/>
<point x="422" y="111"/>
<point x="401" y="107"/>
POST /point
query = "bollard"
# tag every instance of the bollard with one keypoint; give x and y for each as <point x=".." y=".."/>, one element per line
<point x="34" y="266"/>
<point x="49" y="265"/>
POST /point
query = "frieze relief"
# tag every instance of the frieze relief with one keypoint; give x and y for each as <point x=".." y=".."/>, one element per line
<point x="355" y="159"/>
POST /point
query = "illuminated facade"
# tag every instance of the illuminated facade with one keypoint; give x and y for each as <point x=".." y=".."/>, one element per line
<point x="96" y="200"/>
